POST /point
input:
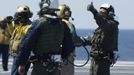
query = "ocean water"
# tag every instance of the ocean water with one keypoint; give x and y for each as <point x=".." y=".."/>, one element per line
<point x="125" y="44"/>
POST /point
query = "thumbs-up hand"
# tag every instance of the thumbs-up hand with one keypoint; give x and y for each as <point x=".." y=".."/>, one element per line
<point x="90" y="7"/>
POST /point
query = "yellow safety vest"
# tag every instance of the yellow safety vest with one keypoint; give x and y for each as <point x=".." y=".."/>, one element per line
<point x="5" y="34"/>
<point x="17" y="36"/>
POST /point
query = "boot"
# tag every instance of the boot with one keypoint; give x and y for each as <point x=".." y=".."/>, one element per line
<point x="5" y="67"/>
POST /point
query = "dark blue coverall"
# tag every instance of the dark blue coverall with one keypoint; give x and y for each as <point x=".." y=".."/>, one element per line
<point x="31" y="37"/>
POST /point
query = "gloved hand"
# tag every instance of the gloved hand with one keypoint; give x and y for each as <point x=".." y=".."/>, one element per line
<point x="9" y="19"/>
<point x="77" y="41"/>
<point x="21" y="69"/>
<point x="86" y="41"/>
<point x="114" y="57"/>
<point x="72" y="54"/>
<point x="90" y="7"/>
<point x="6" y="19"/>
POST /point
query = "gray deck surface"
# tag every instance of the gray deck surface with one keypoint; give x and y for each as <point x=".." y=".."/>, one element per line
<point x="120" y="68"/>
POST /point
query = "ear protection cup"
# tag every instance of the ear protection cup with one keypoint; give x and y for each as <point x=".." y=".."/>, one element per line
<point x="67" y="13"/>
<point x="64" y="11"/>
<point x="30" y="14"/>
<point x="111" y="12"/>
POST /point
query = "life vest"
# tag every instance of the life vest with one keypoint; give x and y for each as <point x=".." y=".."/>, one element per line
<point x="51" y="36"/>
<point x="5" y="34"/>
<point x="70" y="25"/>
<point x="17" y="36"/>
<point x="75" y="37"/>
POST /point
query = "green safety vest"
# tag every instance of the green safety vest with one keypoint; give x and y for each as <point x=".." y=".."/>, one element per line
<point x="50" y="38"/>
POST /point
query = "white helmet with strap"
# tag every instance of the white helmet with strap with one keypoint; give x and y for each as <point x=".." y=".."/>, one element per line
<point x="105" y="5"/>
<point x="109" y="8"/>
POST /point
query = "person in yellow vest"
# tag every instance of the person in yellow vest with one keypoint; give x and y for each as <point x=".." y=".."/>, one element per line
<point x="22" y="23"/>
<point x="68" y="51"/>
<point x="6" y="29"/>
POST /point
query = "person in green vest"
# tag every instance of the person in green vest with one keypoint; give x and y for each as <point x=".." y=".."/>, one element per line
<point x="104" y="43"/>
<point x="21" y="23"/>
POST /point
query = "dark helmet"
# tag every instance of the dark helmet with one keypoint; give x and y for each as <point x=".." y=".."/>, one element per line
<point x="46" y="9"/>
<point x="24" y="12"/>
<point x="44" y="4"/>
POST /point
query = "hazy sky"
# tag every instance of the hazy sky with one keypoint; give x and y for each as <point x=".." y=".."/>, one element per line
<point x="82" y="18"/>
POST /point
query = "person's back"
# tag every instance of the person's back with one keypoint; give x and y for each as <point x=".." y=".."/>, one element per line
<point x="45" y="40"/>
<point x="51" y="35"/>
<point x="45" y="34"/>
